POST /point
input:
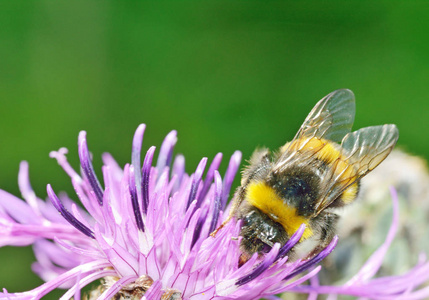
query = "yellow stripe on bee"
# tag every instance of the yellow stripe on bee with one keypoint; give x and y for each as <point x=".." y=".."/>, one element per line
<point x="329" y="153"/>
<point x="267" y="201"/>
<point x="349" y="195"/>
<point x="323" y="149"/>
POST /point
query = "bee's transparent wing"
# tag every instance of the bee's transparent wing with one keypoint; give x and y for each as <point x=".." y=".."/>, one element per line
<point x="362" y="150"/>
<point x="366" y="148"/>
<point x="331" y="119"/>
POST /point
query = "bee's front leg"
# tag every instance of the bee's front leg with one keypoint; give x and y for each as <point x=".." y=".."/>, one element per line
<point x="238" y="198"/>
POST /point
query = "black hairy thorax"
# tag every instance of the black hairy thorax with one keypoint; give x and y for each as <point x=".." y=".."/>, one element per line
<point x="299" y="187"/>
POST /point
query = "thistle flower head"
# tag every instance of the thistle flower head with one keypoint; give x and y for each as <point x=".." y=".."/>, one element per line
<point x="146" y="234"/>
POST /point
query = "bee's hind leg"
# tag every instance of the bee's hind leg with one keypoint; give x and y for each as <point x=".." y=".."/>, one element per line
<point x="327" y="223"/>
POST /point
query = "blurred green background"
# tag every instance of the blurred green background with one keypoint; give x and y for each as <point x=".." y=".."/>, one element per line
<point x="227" y="75"/>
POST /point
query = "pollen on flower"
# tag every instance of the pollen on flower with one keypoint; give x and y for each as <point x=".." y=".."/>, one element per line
<point x="134" y="290"/>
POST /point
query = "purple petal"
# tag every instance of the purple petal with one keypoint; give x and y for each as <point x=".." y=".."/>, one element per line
<point x="217" y="201"/>
<point x="198" y="228"/>
<point x="91" y="253"/>
<point x="166" y="152"/>
<point x="88" y="169"/>
<point x="297" y="282"/>
<point x="92" y="207"/>
<point x="210" y="175"/>
<point x="196" y="183"/>
<point x="178" y="171"/>
<point x="154" y="292"/>
<point x="67" y="215"/>
<point x="61" y="158"/>
<point x="39" y="292"/>
<point x="147" y="165"/>
<point x="134" y="199"/>
<point x="122" y="260"/>
<point x="314" y="281"/>
<point x="291" y="242"/>
<point x="25" y="187"/>
<point x="192" y="225"/>
<point x="75" y="290"/>
<point x="17" y="209"/>
<point x="234" y="164"/>
<point x="265" y="264"/>
<point x="52" y="254"/>
<point x="135" y="157"/>
<point x="315" y="260"/>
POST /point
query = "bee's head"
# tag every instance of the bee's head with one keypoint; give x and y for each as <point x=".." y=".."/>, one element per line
<point x="260" y="232"/>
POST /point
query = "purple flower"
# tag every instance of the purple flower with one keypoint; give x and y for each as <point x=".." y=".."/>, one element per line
<point x="146" y="234"/>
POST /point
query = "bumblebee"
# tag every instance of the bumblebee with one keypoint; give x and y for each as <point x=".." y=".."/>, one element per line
<point x="309" y="178"/>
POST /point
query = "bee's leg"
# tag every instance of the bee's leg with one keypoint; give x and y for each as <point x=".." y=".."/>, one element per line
<point x="258" y="169"/>
<point x="238" y="198"/>
<point x="327" y="223"/>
